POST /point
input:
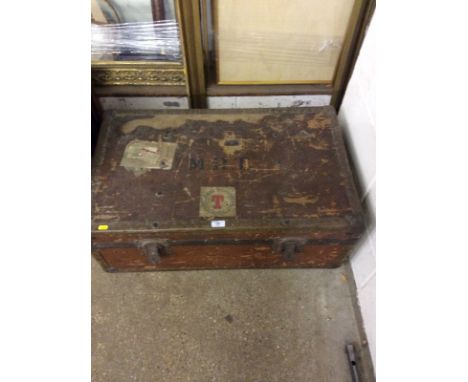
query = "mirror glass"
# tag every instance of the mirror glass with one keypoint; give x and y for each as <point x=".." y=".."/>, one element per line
<point x="134" y="30"/>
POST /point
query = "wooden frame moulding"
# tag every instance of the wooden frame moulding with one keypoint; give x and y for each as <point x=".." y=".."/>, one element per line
<point x="360" y="19"/>
<point x="188" y="12"/>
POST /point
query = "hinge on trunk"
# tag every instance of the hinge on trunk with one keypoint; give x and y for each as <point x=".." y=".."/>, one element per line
<point x="289" y="247"/>
<point x="154" y="249"/>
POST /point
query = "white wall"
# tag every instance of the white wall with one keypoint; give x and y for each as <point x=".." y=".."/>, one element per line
<point x="357" y="116"/>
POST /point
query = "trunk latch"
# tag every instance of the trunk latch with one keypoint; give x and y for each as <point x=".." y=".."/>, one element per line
<point x="153" y="250"/>
<point x="289" y="247"/>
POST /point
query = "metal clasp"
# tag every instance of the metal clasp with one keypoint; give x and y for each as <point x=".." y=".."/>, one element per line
<point x="154" y="249"/>
<point x="289" y="247"/>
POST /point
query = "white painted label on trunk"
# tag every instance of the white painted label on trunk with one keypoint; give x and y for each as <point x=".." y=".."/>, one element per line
<point x="218" y="224"/>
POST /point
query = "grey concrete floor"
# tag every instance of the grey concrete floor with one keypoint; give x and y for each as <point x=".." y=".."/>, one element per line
<point x="229" y="326"/>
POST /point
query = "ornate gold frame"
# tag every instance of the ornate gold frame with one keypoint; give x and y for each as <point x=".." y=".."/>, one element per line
<point x="142" y="73"/>
<point x="137" y="73"/>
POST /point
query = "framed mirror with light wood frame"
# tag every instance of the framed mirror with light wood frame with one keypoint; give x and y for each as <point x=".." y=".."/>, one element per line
<point x="263" y="47"/>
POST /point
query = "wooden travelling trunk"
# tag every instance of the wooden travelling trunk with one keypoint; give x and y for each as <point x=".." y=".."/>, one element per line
<point x="202" y="189"/>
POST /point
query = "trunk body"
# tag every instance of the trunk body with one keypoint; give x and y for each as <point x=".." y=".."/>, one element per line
<point x="203" y="189"/>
